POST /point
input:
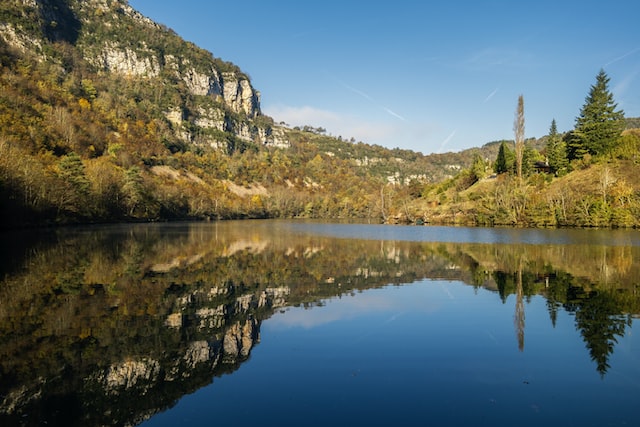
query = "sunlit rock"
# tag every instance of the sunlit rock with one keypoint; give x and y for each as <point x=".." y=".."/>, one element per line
<point x="131" y="373"/>
<point x="239" y="339"/>
<point x="211" y="318"/>
<point x="174" y="320"/>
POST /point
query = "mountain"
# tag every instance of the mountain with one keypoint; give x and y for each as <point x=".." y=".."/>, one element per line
<point x="204" y="100"/>
<point x="108" y="116"/>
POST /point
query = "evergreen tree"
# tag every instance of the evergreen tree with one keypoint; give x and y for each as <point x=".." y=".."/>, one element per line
<point x="500" y="166"/>
<point x="133" y="190"/>
<point x="504" y="161"/>
<point x="601" y="323"/>
<point x="478" y="168"/>
<point x="71" y="170"/>
<point x="574" y="146"/>
<point x="552" y="141"/>
<point x="529" y="157"/>
<point x="556" y="150"/>
<point x="74" y="189"/>
<point x="599" y="125"/>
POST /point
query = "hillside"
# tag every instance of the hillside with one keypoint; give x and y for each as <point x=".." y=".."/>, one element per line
<point x="601" y="194"/>
<point x="107" y="116"/>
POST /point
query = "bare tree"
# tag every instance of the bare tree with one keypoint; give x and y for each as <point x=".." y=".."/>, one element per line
<point x="518" y="318"/>
<point x="606" y="180"/>
<point x="518" y="128"/>
<point x="382" y="208"/>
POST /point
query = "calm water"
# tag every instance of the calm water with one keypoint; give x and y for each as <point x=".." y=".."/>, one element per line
<point x="306" y="323"/>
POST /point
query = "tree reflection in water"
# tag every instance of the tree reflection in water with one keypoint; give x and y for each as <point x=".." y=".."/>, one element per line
<point x="109" y="325"/>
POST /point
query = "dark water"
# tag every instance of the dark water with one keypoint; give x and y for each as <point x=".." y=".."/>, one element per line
<point x="305" y="323"/>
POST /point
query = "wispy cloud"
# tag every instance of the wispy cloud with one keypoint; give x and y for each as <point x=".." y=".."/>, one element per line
<point x="389" y="133"/>
<point x="499" y="57"/>
<point x="622" y="87"/>
<point x="334" y="310"/>
<point x="300" y="116"/>
<point x="386" y="307"/>
<point x="335" y="123"/>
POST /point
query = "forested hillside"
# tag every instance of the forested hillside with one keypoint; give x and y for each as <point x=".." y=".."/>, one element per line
<point x="106" y="116"/>
<point x="589" y="177"/>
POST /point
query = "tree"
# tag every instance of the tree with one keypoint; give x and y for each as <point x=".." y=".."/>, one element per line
<point x="556" y="150"/>
<point x="600" y="124"/>
<point x="133" y="190"/>
<point x="75" y="186"/>
<point x="601" y="322"/>
<point x="574" y="146"/>
<point x="518" y="129"/>
<point x="478" y="168"/>
<point x="529" y="157"/>
<point x="505" y="159"/>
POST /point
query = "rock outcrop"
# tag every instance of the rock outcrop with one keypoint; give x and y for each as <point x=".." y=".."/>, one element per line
<point x="115" y="59"/>
<point x="240" y="96"/>
<point x="210" y="99"/>
<point x="131" y="373"/>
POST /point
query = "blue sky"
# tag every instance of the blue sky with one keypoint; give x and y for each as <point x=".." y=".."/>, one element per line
<point x="420" y="75"/>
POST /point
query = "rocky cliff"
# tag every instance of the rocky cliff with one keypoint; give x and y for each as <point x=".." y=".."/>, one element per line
<point x="203" y="99"/>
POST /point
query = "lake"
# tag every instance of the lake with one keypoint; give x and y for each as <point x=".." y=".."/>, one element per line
<point x="312" y="323"/>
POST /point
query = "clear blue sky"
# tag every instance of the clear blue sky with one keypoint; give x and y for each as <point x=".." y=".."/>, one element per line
<point x="422" y="75"/>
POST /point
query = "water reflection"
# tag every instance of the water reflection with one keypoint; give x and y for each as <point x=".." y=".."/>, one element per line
<point x="107" y="326"/>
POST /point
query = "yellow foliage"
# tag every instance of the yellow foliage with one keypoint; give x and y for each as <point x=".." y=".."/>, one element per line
<point x="152" y="127"/>
<point x="84" y="104"/>
<point x="256" y="200"/>
<point x="621" y="192"/>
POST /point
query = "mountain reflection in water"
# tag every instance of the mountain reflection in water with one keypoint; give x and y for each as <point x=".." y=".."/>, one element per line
<point x="111" y="325"/>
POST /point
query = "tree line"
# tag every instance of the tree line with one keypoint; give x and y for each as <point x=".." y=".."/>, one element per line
<point x="77" y="145"/>
<point x="585" y="177"/>
<point x="598" y="133"/>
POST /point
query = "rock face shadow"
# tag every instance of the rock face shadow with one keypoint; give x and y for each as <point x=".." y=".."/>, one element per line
<point x="59" y="21"/>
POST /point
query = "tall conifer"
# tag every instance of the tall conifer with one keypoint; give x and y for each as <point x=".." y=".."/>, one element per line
<point x="556" y="150"/>
<point x="599" y="125"/>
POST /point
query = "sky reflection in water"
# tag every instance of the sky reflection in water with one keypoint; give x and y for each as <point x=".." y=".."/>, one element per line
<point x="359" y="324"/>
<point x="495" y="235"/>
<point x="430" y="353"/>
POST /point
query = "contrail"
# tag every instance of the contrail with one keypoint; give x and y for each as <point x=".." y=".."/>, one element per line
<point x="493" y="338"/>
<point x="359" y="92"/>
<point x="394" y="317"/>
<point x="620" y="58"/>
<point x="490" y="96"/>
<point x="447" y="140"/>
<point x="373" y="101"/>
<point x="446" y="290"/>
<point x="394" y="114"/>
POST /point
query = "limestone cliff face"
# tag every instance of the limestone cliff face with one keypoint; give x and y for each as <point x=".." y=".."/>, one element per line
<point x="231" y="332"/>
<point x="125" y="61"/>
<point x="239" y="94"/>
<point x="167" y="54"/>
<point x="210" y="97"/>
<point x="231" y="87"/>
<point x="130" y="373"/>
<point x="239" y="339"/>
